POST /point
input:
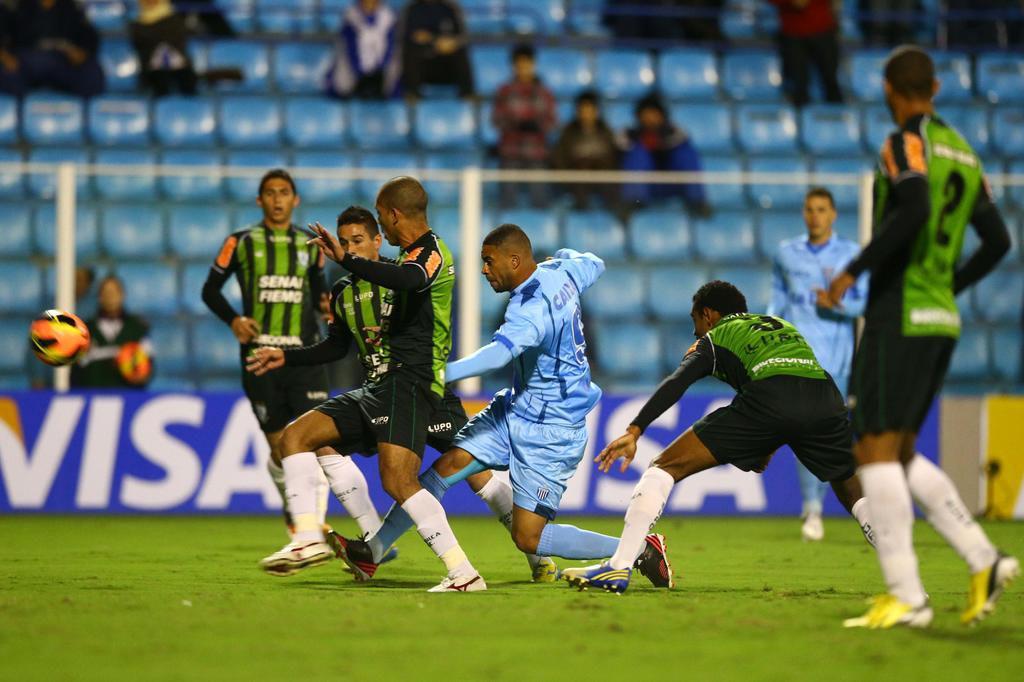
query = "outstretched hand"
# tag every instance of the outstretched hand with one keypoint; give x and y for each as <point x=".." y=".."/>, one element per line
<point x="327" y="243"/>
<point x="264" y="359"/>
<point x="623" y="447"/>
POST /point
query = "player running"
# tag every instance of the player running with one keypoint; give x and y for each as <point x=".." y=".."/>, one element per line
<point x="537" y="429"/>
<point x="395" y="411"/>
<point x="929" y="185"/>
<point x="356" y="307"/>
<point x="803" y="269"/>
<point x="783" y="397"/>
<point x="282" y="283"/>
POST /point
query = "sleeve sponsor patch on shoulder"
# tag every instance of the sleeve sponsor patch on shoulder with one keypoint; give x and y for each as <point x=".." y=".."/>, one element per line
<point x="414" y="254"/>
<point x="227" y="252"/>
<point x="692" y="348"/>
<point x="913" y="148"/>
<point x="433" y="263"/>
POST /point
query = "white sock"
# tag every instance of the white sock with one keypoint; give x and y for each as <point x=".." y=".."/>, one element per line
<point x="323" y="490"/>
<point x="302" y="474"/>
<point x="498" y="496"/>
<point x="349" y="485"/>
<point x="432" y="525"/>
<point x="277" y="476"/>
<point x="947" y="513"/>
<point x="863" y="516"/>
<point x="892" y="517"/>
<point x="644" y="510"/>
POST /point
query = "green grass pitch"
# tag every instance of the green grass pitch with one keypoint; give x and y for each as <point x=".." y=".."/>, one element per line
<point x="109" y="598"/>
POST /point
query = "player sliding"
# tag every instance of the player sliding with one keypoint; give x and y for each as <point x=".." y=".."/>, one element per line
<point x="537" y="429"/>
<point x="783" y="397"/>
<point x="356" y="305"/>
<point x="929" y="185"/>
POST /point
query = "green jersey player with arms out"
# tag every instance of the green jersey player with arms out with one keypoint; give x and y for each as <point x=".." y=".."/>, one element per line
<point x="928" y="187"/>
<point x="783" y="397"/>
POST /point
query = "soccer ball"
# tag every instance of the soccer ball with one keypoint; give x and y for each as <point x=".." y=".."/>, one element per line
<point x="58" y="337"/>
<point x="133" y="363"/>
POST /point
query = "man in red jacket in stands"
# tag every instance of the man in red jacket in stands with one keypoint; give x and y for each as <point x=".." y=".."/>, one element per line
<point x="809" y="33"/>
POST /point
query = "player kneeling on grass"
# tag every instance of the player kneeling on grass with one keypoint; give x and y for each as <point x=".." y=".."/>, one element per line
<point x="537" y="429"/>
<point x="784" y="397"/>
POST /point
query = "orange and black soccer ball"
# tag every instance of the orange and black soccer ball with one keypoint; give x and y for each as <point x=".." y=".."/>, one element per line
<point x="58" y="337"/>
<point x="133" y="363"/>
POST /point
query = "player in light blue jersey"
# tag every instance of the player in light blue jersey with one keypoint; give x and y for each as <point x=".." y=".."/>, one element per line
<point x="803" y="269"/>
<point x="536" y="429"/>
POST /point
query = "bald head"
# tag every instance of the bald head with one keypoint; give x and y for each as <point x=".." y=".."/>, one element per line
<point x="405" y="195"/>
<point x="910" y="72"/>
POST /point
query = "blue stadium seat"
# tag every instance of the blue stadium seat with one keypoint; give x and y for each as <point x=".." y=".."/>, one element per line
<point x="688" y="74"/>
<point x="26" y="297"/>
<point x="953" y="71"/>
<point x="755" y="283"/>
<point x="541" y="226"/>
<point x="491" y="68"/>
<point x="970" y="359"/>
<point x="107" y="16"/>
<point x="619" y="116"/>
<point x="201" y="186"/>
<point x="133" y="231"/>
<point x="866" y="68"/>
<point x="724" y="196"/>
<point x="219" y="350"/>
<point x="379" y="125"/>
<point x="325" y="190"/>
<point x="628" y="351"/>
<point x="12" y="184"/>
<point x="8" y="120"/>
<point x="584" y="18"/>
<point x="246" y="188"/>
<point x="1016" y="194"/>
<point x="830" y="129"/>
<point x="485" y="16"/>
<point x="118" y="121"/>
<point x="749" y="75"/>
<point x="536" y="16"/>
<point x="566" y="71"/>
<point x="120" y="65"/>
<point x="193" y="277"/>
<point x="16" y="219"/>
<point x="846" y="196"/>
<point x="315" y="122"/>
<point x="406" y="163"/>
<point x="595" y="231"/>
<point x="776" y="227"/>
<point x="252" y="57"/>
<point x="150" y="286"/>
<point x="169" y="339"/>
<point x="43" y="185"/>
<point x="670" y="291"/>
<point x="971" y="121"/>
<point x="623" y="74"/>
<point x="13" y="349"/>
<point x="876" y="125"/>
<point x="196" y="232"/>
<point x="726" y="238"/>
<point x="1000" y="296"/>
<point x="676" y="339"/>
<point x="1008" y="130"/>
<point x="1007" y="351"/>
<point x="86" y="231"/>
<point x="134" y="186"/>
<point x="52" y="119"/>
<point x="1000" y="77"/>
<point x="447" y="223"/>
<point x="710" y="126"/>
<point x="301" y="68"/>
<point x="770" y="195"/>
<point x="286" y="16"/>
<point x="659" y="235"/>
<point x="185" y="121"/>
<point x="766" y="128"/>
<point x="447" y="193"/>
<point x="445" y="125"/>
<point x="618" y="294"/>
<point x="738" y="20"/>
<point x="250" y="122"/>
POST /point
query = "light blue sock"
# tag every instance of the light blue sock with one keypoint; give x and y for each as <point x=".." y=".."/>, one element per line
<point x="570" y="542"/>
<point x="811" y="489"/>
<point x="397" y="521"/>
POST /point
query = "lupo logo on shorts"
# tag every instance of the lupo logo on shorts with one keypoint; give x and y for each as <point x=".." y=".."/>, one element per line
<point x="377" y="421"/>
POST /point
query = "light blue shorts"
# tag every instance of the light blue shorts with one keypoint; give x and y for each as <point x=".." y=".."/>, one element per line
<point x="540" y="458"/>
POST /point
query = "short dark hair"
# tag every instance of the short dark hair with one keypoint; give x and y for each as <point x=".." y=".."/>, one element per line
<point x="357" y="215"/>
<point x="509" y="234"/>
<point x="910" y="72"/>
<point x="588" y="96"/>
<point x="720" y="296"/>
<point x="404" y="194"/>
<point x="524" y="50"/>
<point x="820" y="192"/>
<point x="651" y="102"/>
<point x="277" y="174"/>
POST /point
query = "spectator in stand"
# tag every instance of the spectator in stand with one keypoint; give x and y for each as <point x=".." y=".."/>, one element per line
<point x="524" y="114"/>
<point x="434" y="47"/>
<point x="365" y="56"/>
<point x="656" y="144"/>
<point x="1002" y="29"/>
<point x="587" y="143"/>
<point x="809" y="33"/>
<point x="888" y="22"/>
<point x="689" y="20"/>
<point x="49" y="44"/>
<point x="119" y="355"/>
<point x="160" y="38"/>
<point x="203" y="16"/>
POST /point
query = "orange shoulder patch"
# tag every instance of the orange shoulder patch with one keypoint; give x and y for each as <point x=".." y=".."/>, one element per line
<point x="227" y="252"/>
<point x="433" y="263"/>
<point x="414" y="254"/>
<point x="692" y="348"/>
<point x="913" y="147"/>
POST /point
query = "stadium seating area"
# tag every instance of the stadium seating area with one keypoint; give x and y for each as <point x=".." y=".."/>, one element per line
<point x="159" y="232"/>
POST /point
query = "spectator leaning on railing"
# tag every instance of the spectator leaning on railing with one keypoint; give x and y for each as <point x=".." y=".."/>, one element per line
<point x="120" y="355"/>
<point x="587" y="143"/>
<point x="160" y="39"/>
<point x="365" y="61"/>
<point x="434" y="47"/>
<point x="808" y="34"/>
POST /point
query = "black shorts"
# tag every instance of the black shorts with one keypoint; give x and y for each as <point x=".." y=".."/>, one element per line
<point x="448" y="418"/>
<point x="284" y="394"/>
<point x="396" y="410"/>
<point x="895" y="379"/>
<point x="806" y="414"/>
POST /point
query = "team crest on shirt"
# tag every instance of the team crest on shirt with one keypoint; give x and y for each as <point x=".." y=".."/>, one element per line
<point x="303" y="258"/>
